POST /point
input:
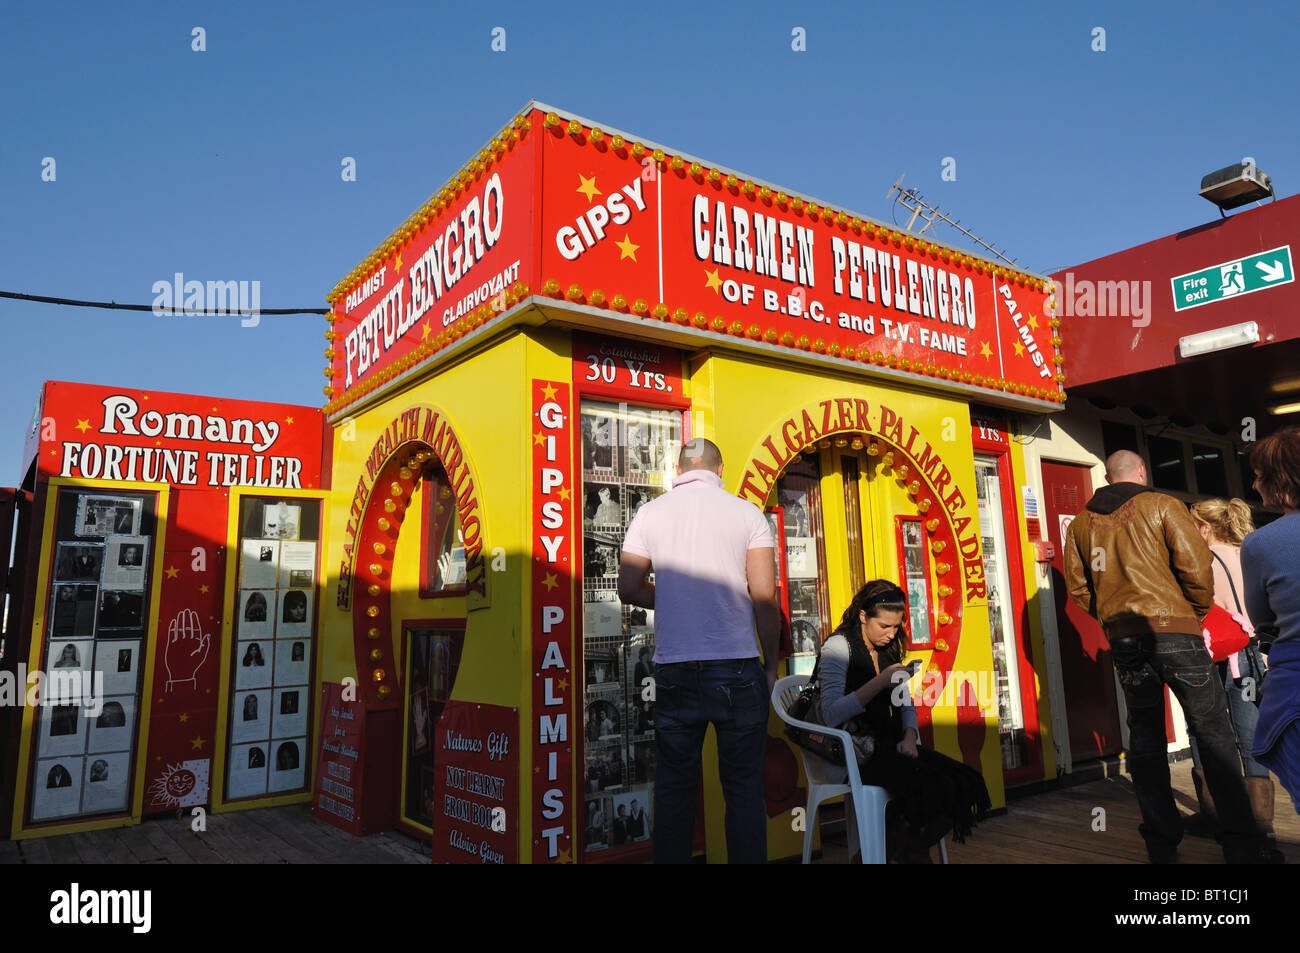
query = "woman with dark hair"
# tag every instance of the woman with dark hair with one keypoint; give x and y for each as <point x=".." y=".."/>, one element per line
<point x="1270" y="569"/>
<point x="863" y="690"/>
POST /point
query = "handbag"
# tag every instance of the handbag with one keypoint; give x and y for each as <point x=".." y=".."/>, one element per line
<point x="1224" y="635"/>
<point x="807" y="707"/>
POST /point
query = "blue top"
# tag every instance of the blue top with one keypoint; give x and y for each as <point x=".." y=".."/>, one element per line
<point x="1270" y="569"/>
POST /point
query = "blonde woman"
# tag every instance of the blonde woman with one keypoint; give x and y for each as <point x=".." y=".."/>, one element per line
<point x="1223" y="525"/>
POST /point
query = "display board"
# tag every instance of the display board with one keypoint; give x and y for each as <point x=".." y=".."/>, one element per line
<point x="476" y="786"/>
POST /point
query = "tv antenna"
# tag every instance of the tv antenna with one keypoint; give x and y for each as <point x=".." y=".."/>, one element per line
<point x="914" y="202"/>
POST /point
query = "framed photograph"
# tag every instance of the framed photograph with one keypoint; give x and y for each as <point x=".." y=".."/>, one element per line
<point x="124" y="562"/>
<point x="288" y="765"/>
<point x="255" y="613"/>
<point x="292" y="661"/>
<point x="598" y="439"/>
<point x="72" y="615"/>
<point x="114" y="727"/>
<point x="639" y="496"/>
<point x="56" y="788"/>
<point x="293" y="620"/>
<point x="602" y="670"/>
<point x="632" y="814"/>
<point x="601" y="505"/>
<point x="78" y="562"/>
<point x="251" y="718"/>
<point x="107" y="783"/>
<point x="804" y="637"/>
<point x="259" y="564"/>
<point x="643" y="762"/>
<point x="602" y="615"/>
<point x="248" y="771"/>
<point x="420" y="728"/>
<point x="801" y="557"/>
<point x="643" y="450"/>
<point x="795" y="506"/>
<point x="118" y="664"/>
<point x="605" y="768"/>
<point x="62" y="730"/>
<point x="803" y="598"/>
<point x="107" y="516"/>
<point x="253" y="660"/>
<point x="597" y="822"/>
<point x="62" y="658"/>
<point x="289" y="712"/>
<point x="641" y="659"/>
<point x="600" y="554"/>
<point x="281" y="520"/>
<point x="604" y="723"/>
<point x="297" y="565"/>
<point x="120" y="610"/>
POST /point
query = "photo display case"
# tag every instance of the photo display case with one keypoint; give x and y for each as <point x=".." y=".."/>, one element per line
<point x="273" y="647"/>
<point x="798" y="497"/>
<point x="629" y="457"/>
<point x="96" y="619"/>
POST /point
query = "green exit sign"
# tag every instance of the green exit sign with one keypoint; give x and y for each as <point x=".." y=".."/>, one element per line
<point x="1232" y="279"/>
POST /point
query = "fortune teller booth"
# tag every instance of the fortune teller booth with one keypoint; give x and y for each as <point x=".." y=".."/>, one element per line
<point x="510" y="376"/>
<point x="161" y="633"/>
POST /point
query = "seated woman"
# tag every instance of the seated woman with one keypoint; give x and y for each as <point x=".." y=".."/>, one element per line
<point x="858" y="669"/>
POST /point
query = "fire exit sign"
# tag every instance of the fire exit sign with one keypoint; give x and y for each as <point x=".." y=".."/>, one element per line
<point x="1231" y="279"/>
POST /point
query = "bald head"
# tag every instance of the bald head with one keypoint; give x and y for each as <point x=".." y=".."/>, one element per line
<point x="1125" y="466"/>
<point x="699" y="454"/>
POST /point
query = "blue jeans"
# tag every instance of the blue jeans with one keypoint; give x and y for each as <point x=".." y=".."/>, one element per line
<point x="1244" y="711"/>
<point x="1145" y="664"/>
<point x="732" y="694"/>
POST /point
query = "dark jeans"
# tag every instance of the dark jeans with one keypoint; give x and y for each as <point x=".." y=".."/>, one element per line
<point x="1145" y="664"/>
<point x="732" y="694"/>
<point x="1243" y="707"/>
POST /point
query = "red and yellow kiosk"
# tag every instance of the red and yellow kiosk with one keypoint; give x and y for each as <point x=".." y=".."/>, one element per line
<point x="167" y="570"/>
<point x="510" y="376"/>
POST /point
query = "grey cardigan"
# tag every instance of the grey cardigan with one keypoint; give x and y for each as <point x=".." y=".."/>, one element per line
<point x="837" y="705"/>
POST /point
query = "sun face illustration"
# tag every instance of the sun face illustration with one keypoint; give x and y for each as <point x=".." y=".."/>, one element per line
<point x="181" y="784"/>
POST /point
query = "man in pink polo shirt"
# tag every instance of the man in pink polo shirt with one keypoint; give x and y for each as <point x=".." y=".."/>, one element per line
<point x="714" y="597"/>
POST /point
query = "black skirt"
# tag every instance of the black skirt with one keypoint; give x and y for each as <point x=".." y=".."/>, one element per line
<point x="932" y="792"/>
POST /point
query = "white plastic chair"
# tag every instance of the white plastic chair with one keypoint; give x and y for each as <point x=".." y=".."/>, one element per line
<point x="826" y="780"/>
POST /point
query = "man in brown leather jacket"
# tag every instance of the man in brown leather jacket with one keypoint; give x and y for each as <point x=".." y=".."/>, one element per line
<point x="1135" y="561"/>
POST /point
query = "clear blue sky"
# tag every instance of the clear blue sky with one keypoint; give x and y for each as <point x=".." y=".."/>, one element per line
<point x="224" y="165"/>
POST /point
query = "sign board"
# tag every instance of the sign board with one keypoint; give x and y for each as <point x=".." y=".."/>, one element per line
<point x="476" y="786"/>
<point x="336" y="795"/>
<point x="1232" y="279"/>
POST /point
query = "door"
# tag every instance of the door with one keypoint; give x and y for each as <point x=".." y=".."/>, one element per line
<point x="1087" y="674"/>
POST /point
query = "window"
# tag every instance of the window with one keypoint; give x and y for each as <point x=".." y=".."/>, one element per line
<point x="629" y="455"/>
<point x="1117" y="436"/>
<point x="1167" y="469"/>
<point x="444" y="558"/>
<point x="1211" y="476"/>
<point x="799" y="495"/>
<point x="916" y="574"/>
<point x="432" y="657"/>
<point x="274" y="646"/>
<point x="98" y="613"/>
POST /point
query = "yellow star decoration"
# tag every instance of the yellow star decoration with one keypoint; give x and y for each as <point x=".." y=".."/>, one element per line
<point x="397" y="262"/>
<point x="425" y="332"/>
<point x="626" y="248"/>
<point x="197" y="742"/>
<point x="172" y="572"/>
<point x="1033" y="321"/>
<point x="548" y="391"/>
<point x="1020" y="348"/>
<point x="711" y="280"/>
<point x="184" y="717"/>
<point x="203" y="589"/>
<point x="985" y="350"/>
<point x="563" y="683"/>
<point x="588" y="187"/>
<point x="83" y="425"/>
<point x="564" y="857"/>
<point x="565" y="493"/>
<point x="550" y="581"/>
<point x="288" y="420"/>
<point x="53" y="452"/>
<point x="539" y="438"/>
